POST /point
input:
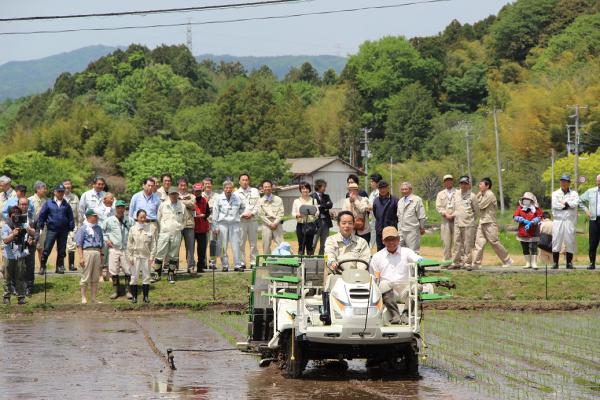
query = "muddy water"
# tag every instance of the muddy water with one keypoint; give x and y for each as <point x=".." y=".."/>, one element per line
<point x="108" y="357"/>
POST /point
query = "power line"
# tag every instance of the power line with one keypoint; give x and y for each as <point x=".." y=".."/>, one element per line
<point x="229" y="21"/>
<point x="159" y="11"/>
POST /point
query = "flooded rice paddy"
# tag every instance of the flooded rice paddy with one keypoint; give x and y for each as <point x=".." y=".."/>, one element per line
<point x="470" y="356"/>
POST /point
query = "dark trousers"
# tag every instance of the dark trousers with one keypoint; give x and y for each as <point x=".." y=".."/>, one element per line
<point x="321" y="237"/>
<point x="305" y="242"/>
<point x="366" y="236"/>
<point x="14" y="278"/>
<point x="594" y="231"/>
<point x="61" y="247"/>
<point x="529" y="248"/>
<point x="379" y="240"/>
<point x="201" y="243"/>
<point x="30" y="269"/>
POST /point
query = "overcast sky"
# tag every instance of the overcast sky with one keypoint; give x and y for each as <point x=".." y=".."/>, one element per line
<point x="337" y="34"/>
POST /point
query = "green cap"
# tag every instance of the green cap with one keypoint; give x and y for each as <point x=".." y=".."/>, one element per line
<point x="120" y="203"/>
<point x="90" y="212"/>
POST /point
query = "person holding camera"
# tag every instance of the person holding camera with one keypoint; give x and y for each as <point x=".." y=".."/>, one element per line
<point x="24" y="204"/>
<point x="17" y="243"/>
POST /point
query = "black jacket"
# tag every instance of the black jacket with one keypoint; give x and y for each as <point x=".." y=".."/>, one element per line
<point x="325" y="204"/>
<point x="385" y="211"/>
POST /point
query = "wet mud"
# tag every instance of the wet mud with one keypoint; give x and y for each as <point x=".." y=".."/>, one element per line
<point x="121" y="356"/>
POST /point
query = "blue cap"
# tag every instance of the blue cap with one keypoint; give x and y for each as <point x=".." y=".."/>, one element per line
<point x="59" y="188"/>
<point x="565" y="177"/>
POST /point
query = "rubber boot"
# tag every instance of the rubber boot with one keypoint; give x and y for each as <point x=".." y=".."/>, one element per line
<point x="72" y="261"/>
<point x="534" y="261"/>
<point x="157" y="270"/>
<point x="325" y="316"/>
<point x="172" y="269"/>
<point x="569" y="260"/>
<point x="60" y="269"/>
<point x="555" y="257"/>
<point x="527" y="261"/>
<point x="146" y="290"/>
<point x="128" y="287"/>
<point x="134" y="292"/>
<point x="389" y="299"/>
<point x="115" y="285"/>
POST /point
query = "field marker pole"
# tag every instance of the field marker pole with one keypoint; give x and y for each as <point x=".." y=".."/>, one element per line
<point x="546" y="280"/>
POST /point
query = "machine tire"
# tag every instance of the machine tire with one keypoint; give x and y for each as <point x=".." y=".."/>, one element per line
<point x="293" y="368"/>
<point x="411" y="360"/>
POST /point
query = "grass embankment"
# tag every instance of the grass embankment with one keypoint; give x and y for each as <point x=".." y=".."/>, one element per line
<point x="474" y="289"/>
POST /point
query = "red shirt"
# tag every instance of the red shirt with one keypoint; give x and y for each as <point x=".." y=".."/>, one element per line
<point x="201" y="224"/>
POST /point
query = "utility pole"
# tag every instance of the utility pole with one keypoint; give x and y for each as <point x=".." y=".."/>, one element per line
<point x="189" y="36"/>
<point x="366" y="155"/>
<point x="498" y="163"/>
<point x="392" y="176"/>
<point x="552" y="181"/>
<point x="465" y="126"/>
<point x="577" y="108"/>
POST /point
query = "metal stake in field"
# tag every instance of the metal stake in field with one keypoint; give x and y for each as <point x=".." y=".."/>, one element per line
<point x="546" y="280"/>
<point x="45" y="281"/>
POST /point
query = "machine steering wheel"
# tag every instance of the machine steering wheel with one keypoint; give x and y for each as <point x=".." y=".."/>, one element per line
<point x="340" y="269"/>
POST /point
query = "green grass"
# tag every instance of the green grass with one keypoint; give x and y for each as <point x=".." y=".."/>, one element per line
<point x="575" y="286"/>
<point x="231" y="289"/>
<point x="189" y="292"/>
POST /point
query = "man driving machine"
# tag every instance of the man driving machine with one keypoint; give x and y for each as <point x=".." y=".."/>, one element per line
<point x="390" y="267"/>
<point x="342" y="246"/>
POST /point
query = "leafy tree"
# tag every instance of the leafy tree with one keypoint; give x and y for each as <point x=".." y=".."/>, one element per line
<point x="232" y="69"/>
<point x="242" y="112"/>
<point x="157" y="155"/>
<point x="383" y="68"/>
<point x="259" y="165"/>
<point x="409" y="122"/>
<point x="30" y="166"/>
<point x="309" y="74"/>
<point x="287" y="130"/>
<point x="199" y="124"/>
<point x="579" y="42"/>
<point x="519" y="27"/>
<point x="466" y="93"/>
<point x="326" y="120"/>
<point x="589" y="165"/>
<point x="330" y="77"/>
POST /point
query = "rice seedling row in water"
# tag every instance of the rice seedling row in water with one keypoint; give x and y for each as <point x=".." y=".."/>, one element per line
<point x="514" y="354"/>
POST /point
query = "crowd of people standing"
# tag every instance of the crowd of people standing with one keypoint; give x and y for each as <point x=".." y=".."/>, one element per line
<point x="121" y="241"/>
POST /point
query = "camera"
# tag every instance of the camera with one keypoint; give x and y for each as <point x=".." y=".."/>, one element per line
<point x="21" y="220"/>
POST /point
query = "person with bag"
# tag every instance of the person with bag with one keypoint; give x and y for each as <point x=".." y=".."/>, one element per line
<point x="325" y="223"/>
<point x="529" y="215"/>
<point x="359" y="207"/>
<point x="306" y="225"/>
